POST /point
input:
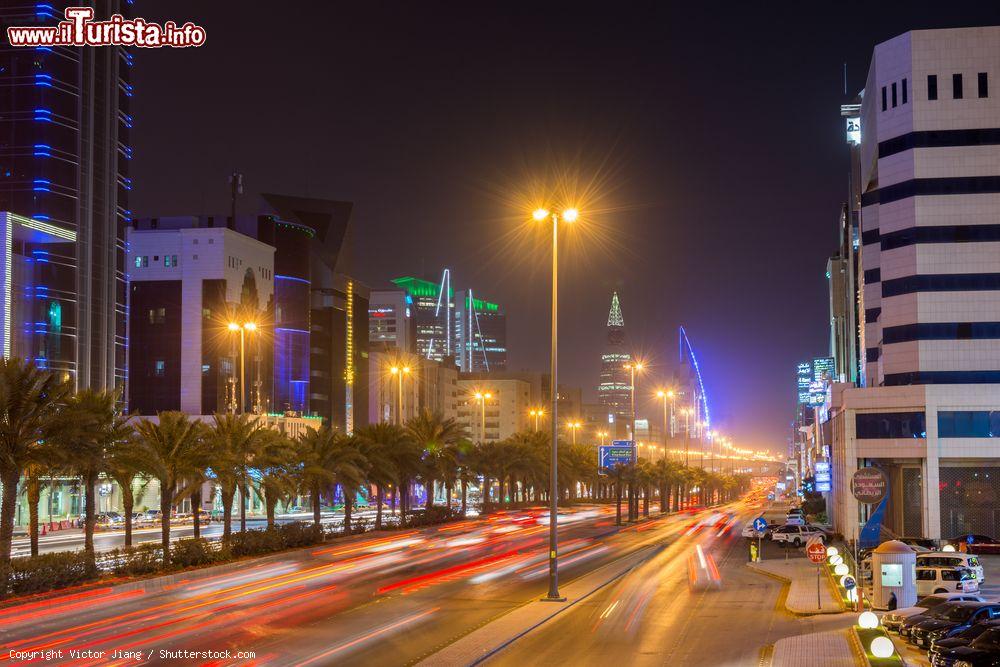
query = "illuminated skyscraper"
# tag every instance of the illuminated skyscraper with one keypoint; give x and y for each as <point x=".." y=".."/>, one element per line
<point x="65" y="154"/>
<point x="615" y="389"/>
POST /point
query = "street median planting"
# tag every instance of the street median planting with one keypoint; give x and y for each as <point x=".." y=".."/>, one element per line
<point x="866" y="637"/>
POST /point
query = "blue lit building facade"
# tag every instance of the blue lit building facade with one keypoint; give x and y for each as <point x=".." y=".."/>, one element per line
<point x="64" y="156"/>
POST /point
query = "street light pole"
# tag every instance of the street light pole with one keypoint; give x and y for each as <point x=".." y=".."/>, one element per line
<point x="569" y="215"/>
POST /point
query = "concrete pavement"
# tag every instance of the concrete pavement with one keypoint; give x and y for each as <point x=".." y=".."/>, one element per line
<point x="804" y="596"/>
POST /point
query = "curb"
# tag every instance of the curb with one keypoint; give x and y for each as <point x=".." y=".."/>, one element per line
<point x="788" y="584"/>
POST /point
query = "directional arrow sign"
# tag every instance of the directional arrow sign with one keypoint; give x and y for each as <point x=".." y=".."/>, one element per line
<point x="760" y="524"/>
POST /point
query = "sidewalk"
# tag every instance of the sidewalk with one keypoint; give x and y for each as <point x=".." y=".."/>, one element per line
<point x="487" y="640"/>
<point x="801" y="575"/>
<point x="830" y="649"/>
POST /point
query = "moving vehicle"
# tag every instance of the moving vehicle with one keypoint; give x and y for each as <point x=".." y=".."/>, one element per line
<point x="892" y="620"/>
<point x="703" y="573"/>
<point x="983" y="651"/>
<point x="796" y="535"/>
<point x="946" y="580"/>
<point x="957" y="619"/>
<point x="952" y="559"/>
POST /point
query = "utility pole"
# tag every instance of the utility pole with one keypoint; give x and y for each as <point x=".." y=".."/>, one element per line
<point x="236" y="188"/>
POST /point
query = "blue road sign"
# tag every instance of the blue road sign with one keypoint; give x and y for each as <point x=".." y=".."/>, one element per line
<point x="849" y="582"/>
<point x="619" y="452"/>
<point x="969" y="539"/>
<point x="760" y="524"/>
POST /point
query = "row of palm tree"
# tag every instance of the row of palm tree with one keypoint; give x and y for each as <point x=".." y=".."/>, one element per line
<point x="46" y="431"/>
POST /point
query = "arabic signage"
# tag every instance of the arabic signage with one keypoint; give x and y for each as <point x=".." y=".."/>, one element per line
<point x="869" y="485"/>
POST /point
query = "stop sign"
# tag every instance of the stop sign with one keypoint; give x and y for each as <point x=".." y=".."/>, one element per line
<point x="816" y="552"/>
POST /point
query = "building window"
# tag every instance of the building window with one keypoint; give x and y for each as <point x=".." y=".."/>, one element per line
<point x="138" y="261"/>
<point x="156" y="258"/>
<point x="196" y="241"/>
<point x="194" y="256"/>
<point x="157" y="315"/>
<point x="211" y="241"/>
<point x="893" y="94"/>
<point x="885" y="425"/>
<point x="884" y="105"/>
<point x="904" y="92"/>
<point x="159" y="368"/>
<point x="956" y="86"/>
<point x="173" y="260"/>
<point x="984" y="85"/>
<point x="969" y="424"/>
<point x="932" y="86"/>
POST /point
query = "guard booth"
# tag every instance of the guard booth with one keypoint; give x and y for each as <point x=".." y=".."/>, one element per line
<point x="894" y="576"/>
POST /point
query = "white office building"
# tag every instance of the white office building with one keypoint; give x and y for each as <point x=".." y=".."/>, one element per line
<point x="927" y="169"/>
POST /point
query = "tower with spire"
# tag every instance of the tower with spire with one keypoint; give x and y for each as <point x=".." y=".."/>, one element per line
<point x="615" y="388"/>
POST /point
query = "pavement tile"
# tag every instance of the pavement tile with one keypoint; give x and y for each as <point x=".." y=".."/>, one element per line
<point x="829" y="649"/>
<point x="801" y="597"/>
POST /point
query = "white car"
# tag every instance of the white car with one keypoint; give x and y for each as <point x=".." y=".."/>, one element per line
<point x="795" y="520"/>
<point x="893" y="619"/>
<point x="952" y="559"/>
<point x="946" y="580"/>
<point x="796" y="535"/>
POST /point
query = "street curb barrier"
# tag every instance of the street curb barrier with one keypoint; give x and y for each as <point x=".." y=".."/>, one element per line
<point x="788" y="582"/>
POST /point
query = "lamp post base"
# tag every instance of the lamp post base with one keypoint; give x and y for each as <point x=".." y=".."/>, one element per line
<point x="552" y="599"/>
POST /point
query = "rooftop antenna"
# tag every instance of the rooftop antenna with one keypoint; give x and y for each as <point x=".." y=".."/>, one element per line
<point x="845" y="79"/>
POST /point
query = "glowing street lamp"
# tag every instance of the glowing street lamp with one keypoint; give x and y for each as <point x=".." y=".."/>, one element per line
<point x="399" y="372"/>
<point x="569" y="215"/>
<point x="536" y="413"/>
<point x="574" y="426"/>
<point x="243" y="329"/>
<point x="482" y="397"/>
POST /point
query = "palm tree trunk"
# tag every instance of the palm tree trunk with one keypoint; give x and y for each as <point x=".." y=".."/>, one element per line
<point x="34" y="498"/>
<point x="196" y="510"/>
<point x="90" y="516"/>
<point x="128" y="503"/>
<point x="348" y="506"/>
<point x="378" y="507"/>
<point x="270" y="501"/>
<point x="243" y="506"/>
<point x="485" y="493"/>
<point x="447" y="496"/>
<point x="618" y="504"/>
<point x="430" y="492"/>
<point x="315" y="503"/>
<point x="228" y="496"/>
<point x="10" y="479"/>
<point x="402" y="493"/>
<point x="465" y="497"/>
<point x="166" y="505"/>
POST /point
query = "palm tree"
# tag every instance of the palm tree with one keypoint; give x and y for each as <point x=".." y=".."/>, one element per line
<point x="439" y="438"/>
<point x="123" y="467"/>
<point x="274" y="462"/>
<point x="234" y="439"/>
<point x="29" y="399"/>
<point x="172" y="450"/>
<point x="619" y="474"/>
<point x="324" y="458"/>
<point x="377" y="443"/>
<point x="88" y="430"/>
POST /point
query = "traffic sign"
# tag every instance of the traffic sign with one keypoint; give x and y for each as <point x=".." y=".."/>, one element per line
<point x="760" y="524"/>
<point x="816" y="552"/>
<point x="849" y="582"/>
<point x="620" y="452"/>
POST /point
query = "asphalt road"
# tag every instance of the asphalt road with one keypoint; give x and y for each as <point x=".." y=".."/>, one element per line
<point x="395" y="598"/>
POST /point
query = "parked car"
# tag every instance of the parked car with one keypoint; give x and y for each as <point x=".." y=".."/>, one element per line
<point x="963" y="638"/>
<point x="140" y="519"/>
<point x="795" y="520"/>
<point x="952" y="559"/>
<point x="110" y="520"/>
<point x="983" y="651"/>
<point x="976" y="544"/>
<point x="956" y="620"/>
<point x="938" y="611"/>
<point x="796" y="535"/>
<point x="154" y="516"/>
<point x="946" y="580"/>
<point x="892" y="620"/>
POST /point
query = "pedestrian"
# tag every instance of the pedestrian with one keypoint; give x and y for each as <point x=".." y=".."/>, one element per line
<point x="753" y="552"/>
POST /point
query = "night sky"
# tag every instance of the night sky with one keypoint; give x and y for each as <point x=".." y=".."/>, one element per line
<point x="703" y="144"/>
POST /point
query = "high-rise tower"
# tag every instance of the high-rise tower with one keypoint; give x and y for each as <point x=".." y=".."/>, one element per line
<point x="615" y="389"/>
<point x="64" y="155"/>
